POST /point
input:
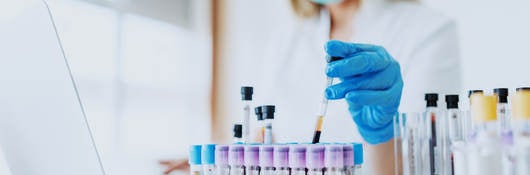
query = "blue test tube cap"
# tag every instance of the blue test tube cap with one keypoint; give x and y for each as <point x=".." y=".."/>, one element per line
<point x="195" y="155"/>
<point x="208" y="154"/>
<point x="358" y="157"/>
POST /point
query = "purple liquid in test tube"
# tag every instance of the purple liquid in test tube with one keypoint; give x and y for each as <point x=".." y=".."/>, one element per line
<point x="236" y="159"/>
<point x="221" y="160"/>
<point x="297" y="159"/>
<point x="334" y="159"/>
<point x="266" y="160"/>
<point x="349" y="166"/>
<point x="281" y="159"/>
<point x="315" y="159"/>
<point x="252" y="159"/>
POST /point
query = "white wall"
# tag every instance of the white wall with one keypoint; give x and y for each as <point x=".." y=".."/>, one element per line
<point x="494" y="37"/>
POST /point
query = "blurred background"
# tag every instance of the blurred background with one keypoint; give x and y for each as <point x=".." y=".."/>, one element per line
<point x="158" y="75"/>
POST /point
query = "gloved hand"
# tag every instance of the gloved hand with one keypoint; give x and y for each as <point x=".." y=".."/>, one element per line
<point x="371" y="84"/>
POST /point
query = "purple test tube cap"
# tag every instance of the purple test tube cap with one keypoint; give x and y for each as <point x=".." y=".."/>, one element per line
<point x="297" y="156"/>
<point x="252" y="155"/>
<point x="236" y="155"/>
<point x="315" y="156"/>
<point x="266" y="156"/>
<point x="221" y="154"/>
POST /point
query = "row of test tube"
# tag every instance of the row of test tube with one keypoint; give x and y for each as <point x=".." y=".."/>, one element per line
<point x="491" y="138"/>
<point x="278" y="159"/>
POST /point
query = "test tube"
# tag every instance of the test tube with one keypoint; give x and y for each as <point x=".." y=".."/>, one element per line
<point x="297" y="159"/>
<point x="503" y="111"/>
<point x="246" y="98"/>
<point x="266" y="160"/>
<point x="521" y="115"/>
<point x="261" y="127"/>
<point x="334" y="159"/>
<point x="238" y="133"/>
<point x="412" y="134"/>
<point x="236" y="159"/>
<point x="315" y="159"/>
<point x="455" y="130"/>
<point x="208" y="159"/>
<point x="348" y="159"/>
<point x="195" y="160"/>
<point x="221" y="160"/>
<point x="252" y="159"/>
<point x="358" y="158"/>
<point x="281" y="159"/>
<point x="468" y="121"/>
<point x="484" y="148"/>
<point x="435" y="131"/>
<point x="268" y="114"/>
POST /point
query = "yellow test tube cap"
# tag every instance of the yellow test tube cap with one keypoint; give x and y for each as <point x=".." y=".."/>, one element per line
<point x="483" y="107"/>
<point x="521" y="104"/>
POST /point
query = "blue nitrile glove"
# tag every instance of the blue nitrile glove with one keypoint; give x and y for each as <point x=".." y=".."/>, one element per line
<point x="371" y="84"/>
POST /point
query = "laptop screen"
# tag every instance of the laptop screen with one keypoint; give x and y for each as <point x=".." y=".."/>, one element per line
<point x="43" y="129"/>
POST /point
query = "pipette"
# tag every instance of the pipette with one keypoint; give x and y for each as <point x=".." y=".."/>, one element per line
<point x="323" y="105"/>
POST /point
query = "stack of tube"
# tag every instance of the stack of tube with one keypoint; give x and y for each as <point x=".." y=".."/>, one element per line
<point x="492" y="138"/>
<point x="277" y="159"/>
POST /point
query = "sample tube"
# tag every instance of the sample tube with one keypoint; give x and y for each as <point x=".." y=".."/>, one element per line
<point x="261" y="126"/>
<point x="348" y="159"/>
<point x="468" y="121"/>
<point x="221" y="160"/>
<point x="238" y="133"/>
<point x="208" y="159"/>
<point x="236" y="159"/>
<point x="195" y="160"/>
<point x="266" y="160"/>
<point x="315" y="159"/>
<point x="455" y="130"/>
<point x="281" y="159"/>
<point x="246" y="98"/>
<point x="358" y="158"/>
<point x="297" y="159"/>
<point x="484" y="148"/>
<point x="268" y="114"/>
<point x="521" y="116"/>
<point x="502" y="111"/>
<point x="334" y="159"/>
<point x="252" y="159"/>
<point x="436" y="131"/>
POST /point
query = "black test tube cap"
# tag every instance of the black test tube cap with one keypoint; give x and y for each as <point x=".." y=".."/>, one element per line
<point x="452" y="101"/>
<point x="246" y="93"/>
<point x="268" y="111"/>
<point x="471" y="92"/>
<point x="238" y="130"/>
<point x="258" y="112"/>
<point x="502" y="93"/>
<point x="431" y="99"/>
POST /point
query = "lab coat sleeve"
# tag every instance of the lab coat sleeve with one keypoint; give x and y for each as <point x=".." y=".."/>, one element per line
<point x="434" y="67"/>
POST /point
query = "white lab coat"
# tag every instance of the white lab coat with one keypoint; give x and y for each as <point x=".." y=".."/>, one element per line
<point x="424" y="42"/>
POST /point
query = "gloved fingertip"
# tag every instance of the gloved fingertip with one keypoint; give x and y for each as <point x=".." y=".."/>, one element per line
<point x="330" y="94"/>
<point x="334" y="48"/>
<point x="330" y="71"/>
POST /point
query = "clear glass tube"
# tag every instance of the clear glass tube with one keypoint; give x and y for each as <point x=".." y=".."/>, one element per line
<point x="237" y="170"/>
<point x="208" y="169"/>
<point x="282" y="171"/>
<point x="252" y="170"/>
<point x="483" y="153"/>
<point x="222" y="170"/>
<point x="315" y="171"/>
<point x="504" y="117"/>
<point x="411" y="147"/>
<point x="436" y="140"/>
<point x="522" y="146"/>
<point x="246" y="121"/>
<point x="268" y="132"/>
<point x="268" y="171"/>
<point x="335" y="171"/>
<point x="298" y="171"/>
<point x="196" y="169"/>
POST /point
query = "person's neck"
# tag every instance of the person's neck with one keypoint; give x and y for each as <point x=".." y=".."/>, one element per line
<point x="342" y="19"/>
